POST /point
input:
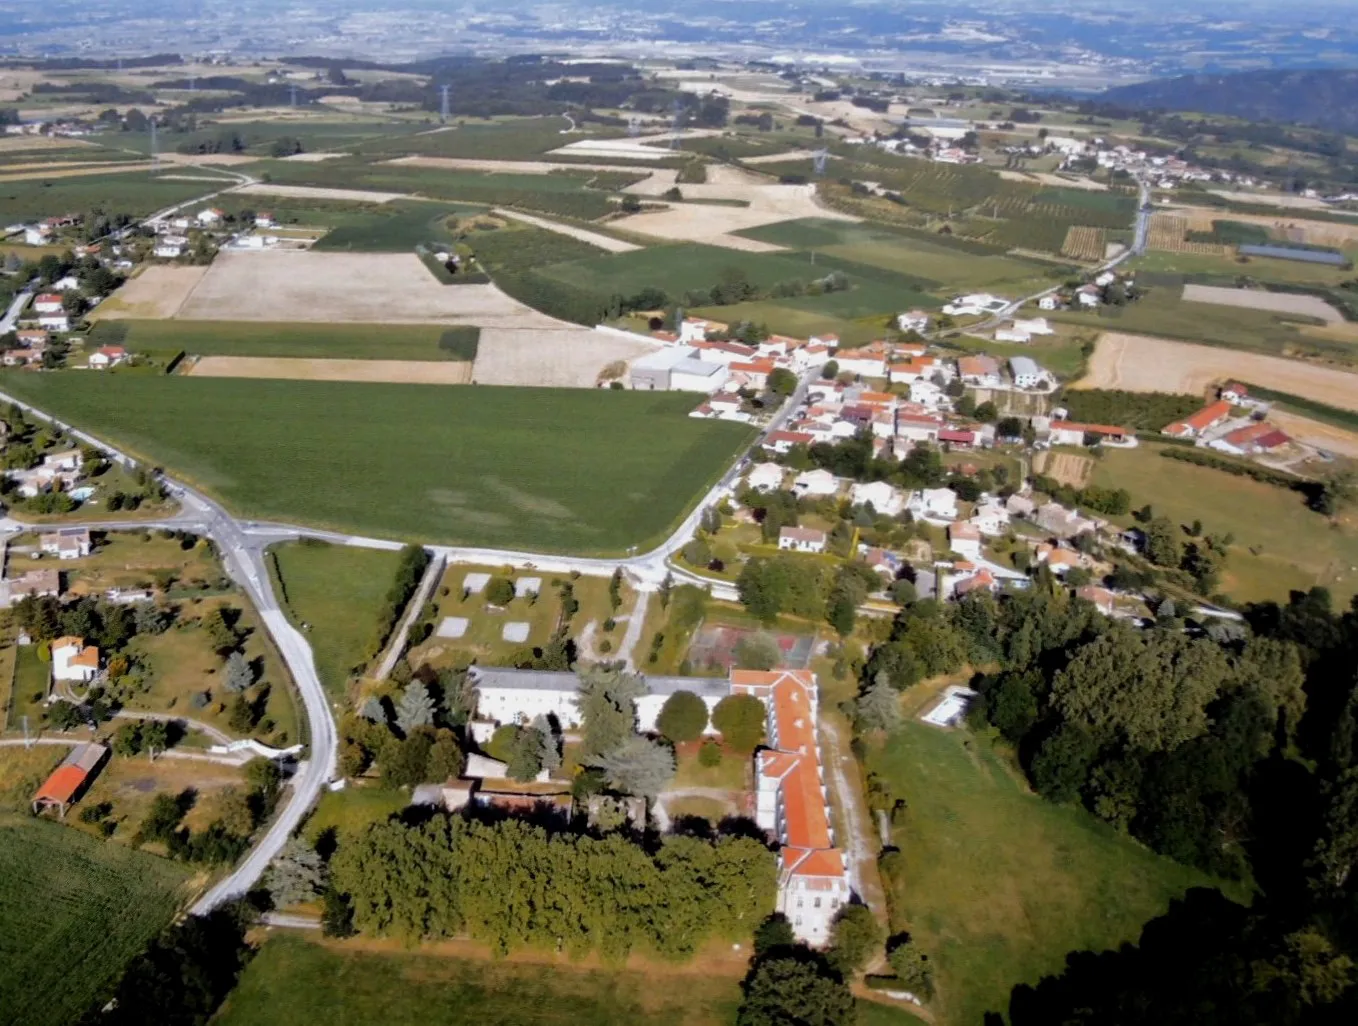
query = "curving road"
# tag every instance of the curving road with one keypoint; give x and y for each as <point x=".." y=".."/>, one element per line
<point x="242" y="545"/>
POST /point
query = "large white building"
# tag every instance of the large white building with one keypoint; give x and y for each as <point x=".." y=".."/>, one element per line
<point x="791" y="799"/>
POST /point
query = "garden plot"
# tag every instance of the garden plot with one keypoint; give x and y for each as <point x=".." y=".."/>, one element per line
<point x="323" y="287"/>
<point x="564" y="356"/>
<point x="1257" y="299"/>
<point x="1139" y="363"/>
<point x="411" y="372"/>
<point x="156" y="293"/>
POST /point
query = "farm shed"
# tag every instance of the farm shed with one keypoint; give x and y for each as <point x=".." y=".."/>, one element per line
<point x="69" y="780"/>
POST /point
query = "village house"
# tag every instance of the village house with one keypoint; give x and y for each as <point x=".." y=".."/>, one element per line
<point x="915" y="320"/>
<point x="1088" y="295"/>
<point x="916" y="368"/>
<point x="801" y="539"/>
<point x="934" y="504"/>
<point x="107" y="356"/>
<point x="975" y="580"/>
<point x="881" y="496"/>
<point x="1234" y="392"/>
<point x="59" y="322"/>
<point x="814" y="483"/>
<point x="210" y="216"/>
<point x="1027" y="373"/>
<point x="1060" y="522"/>
<point x="724" y="352"/>
<point x="1068" y="432"/>
<point x="957" y="438"/>
<point x="695" y="329"/>
<point x="865" y="363"/>
<point x="1060" y="561"/>
<point x="170" y="247"/>
<point x="752" y="373"/>
<point x="1258" y="437"/>
<point x="66" y="543"/>
<point x="765" y="477"/>
<point x="72" y="659"/>
<point x="975" y="305"/>
<point x="1103" y="599"/>
<point x="34" y="584"/>
<point x="1204" y="420"/>
<point x="48" y="302"/>
<point x="782" y="442"/>
<point x="918" y="427"/>
<point x="264" y="219"/>
<point x="990" y="517"/>
<point x="723" y="407"/>
<point x="980" y="371"/>
<point x="965" y="540"/>
<point x="1052" y="301"/>
<point x="926" y="393"/>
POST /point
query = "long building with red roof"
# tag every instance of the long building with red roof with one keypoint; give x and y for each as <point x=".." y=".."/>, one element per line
<point x="792" y="802"/>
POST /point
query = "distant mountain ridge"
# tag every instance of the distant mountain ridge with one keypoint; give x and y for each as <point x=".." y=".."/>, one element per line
<point x="1323" y="97"/>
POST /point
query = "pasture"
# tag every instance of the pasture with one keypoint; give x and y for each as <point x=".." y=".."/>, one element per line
<point x="337" y="591"/>
<point x="74" y="911"/>
<point x="1279" y="546"/>
<point x="295" y="978"/>
<point x="998" y="884"/>
<point x="537" y="469"/>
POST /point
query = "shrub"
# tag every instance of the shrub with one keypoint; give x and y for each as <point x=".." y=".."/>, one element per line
<point x="682" y="718"/>
<point x="709" y="754"/>
<point x="500" y="591"/>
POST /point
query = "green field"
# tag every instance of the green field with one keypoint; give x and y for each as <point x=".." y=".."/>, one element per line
<point x="357" y="226"/>
<point x="73" y="912"/>
<point x="314" y="133"/>
<point x="502" y="139"/>
<point x="132" y="192"/>
<point x="323" y="341"/>
<point x="1280" y="545"/>
<point x="295" y="980"/>
<point x="998" y="884"/>
<point x="541" y="469"/>
<point x="337" y="591"/>
<point x="930" y="258"/>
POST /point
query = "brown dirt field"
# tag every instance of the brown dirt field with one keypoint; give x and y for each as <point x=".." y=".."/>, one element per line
<point x="1046" y="178"/>
<point x="317" y="192"/>
<point x="403" y="372"/>
<point x="223" y="159"/>
<point x="1258" y="299"/>
<point x="694" y="222"/>
<point x="371" y="288"/>
<point x="1273" y="199"/>
<point x="1317" y="233"/>
<point x="75" y="172"/>
<point x="155" y="294"/>
<point x="568" y="357"/>
<point x="1140" y="363"/>
<point x="1067" y="468"/>
<point x="1312" y="432"/>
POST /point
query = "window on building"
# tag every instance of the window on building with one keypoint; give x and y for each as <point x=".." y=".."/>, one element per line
<point x="799" y="902"/>
<point x="817" y="903"/>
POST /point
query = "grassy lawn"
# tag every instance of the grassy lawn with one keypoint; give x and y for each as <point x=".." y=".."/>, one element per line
<point x="294" y="980"/>
<point x="337" y="592"/>
<point x="998" y="884"/>
<point x="130" y="785"/>
<point x="1279" y="544"/>
<point x="9" y="655"/>
<point x="74" y="911"/>
<point x="732" y="773"/>
<point x="128" y="559"/>
<point x="397" y="226"/>
<point x="32" y="677"/>
<point x="484" y="642"/>
<point x="350" y="810"/>
<point x="548" y="469"/>
<point x="327" y="341"/>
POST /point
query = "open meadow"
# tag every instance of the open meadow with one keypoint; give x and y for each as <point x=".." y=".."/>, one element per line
<point x="73" y="911"/>
<point x="135" y="194"/>
<point x="1279" y="546"/>
<point x="1139" y="363"/>
<point x="562" y="470"/>
<point x="997" y="884"/>
<point x="337" y="591"/>
<point x="295" y="979"/>
<point x="298" y="341"/>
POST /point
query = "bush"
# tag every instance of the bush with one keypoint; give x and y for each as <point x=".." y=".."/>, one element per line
<point x="500" y="591"/>
<point x="709" y="754"/>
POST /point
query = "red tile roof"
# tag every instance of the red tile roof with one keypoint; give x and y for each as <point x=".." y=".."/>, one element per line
<point x="62" y="785"/>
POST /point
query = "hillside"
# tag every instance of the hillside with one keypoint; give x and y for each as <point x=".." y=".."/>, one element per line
<point x="1326" y="98"/>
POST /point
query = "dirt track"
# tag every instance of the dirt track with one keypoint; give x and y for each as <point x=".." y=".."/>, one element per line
<point x="1140" y="363"/>
<point x="417" y="372"/>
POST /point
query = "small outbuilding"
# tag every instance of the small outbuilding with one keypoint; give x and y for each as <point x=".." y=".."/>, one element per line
<point x="71" y="779"/>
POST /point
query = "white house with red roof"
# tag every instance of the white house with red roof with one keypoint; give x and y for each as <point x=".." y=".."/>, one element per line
<point x="107" y="356"/>
<point x="48" y="302"/>
<point x="792" y="803"/>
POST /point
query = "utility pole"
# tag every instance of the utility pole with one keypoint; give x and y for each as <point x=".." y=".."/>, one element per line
<point x="444" y="90"/>
<point x="293" y="90"/>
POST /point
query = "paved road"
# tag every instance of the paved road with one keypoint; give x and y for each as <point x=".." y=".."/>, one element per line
<point x="11" y="317"/>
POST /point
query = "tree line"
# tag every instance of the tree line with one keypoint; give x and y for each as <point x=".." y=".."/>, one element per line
<point x="512" y="884"/>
